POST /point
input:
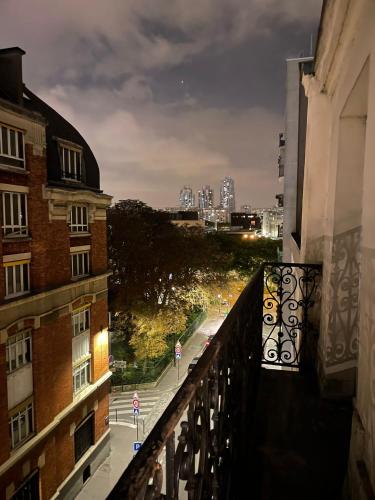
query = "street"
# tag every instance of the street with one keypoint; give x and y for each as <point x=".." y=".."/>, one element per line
<point x="152" y="404"/>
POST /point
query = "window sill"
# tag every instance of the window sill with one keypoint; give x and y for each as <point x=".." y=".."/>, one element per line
<point x="79" y="361"/>
<point x="16" y="296"/>
<point x="73" y="181"/>
<point x="18" y="170"/>
<point x="79" y="278"/>
<point x="78" y="394"/>
<point x="15" y="239"/>
<point x="21" y="444"/>
<point x="78" y="234"/>
<point x="11" y="372"/>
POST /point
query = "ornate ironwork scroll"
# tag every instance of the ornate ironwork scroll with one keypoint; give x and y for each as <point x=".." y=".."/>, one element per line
<point x="343" y="324"/>
<point x="289" y="294"/>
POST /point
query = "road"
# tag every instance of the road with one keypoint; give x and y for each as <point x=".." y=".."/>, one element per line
<point x="152" y="403"/>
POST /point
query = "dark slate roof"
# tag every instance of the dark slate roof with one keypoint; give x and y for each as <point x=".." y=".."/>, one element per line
<point x="58" y="127"/>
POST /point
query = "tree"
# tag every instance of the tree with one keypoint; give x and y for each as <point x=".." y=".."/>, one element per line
<point x="154" y="261"/>
<point x="150" y="338"/>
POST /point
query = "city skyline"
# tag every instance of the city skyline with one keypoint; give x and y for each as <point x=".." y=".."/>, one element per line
<point x="187" y="93"/>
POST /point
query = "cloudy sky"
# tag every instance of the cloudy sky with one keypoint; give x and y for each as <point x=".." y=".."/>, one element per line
<point x="167" y="92"/>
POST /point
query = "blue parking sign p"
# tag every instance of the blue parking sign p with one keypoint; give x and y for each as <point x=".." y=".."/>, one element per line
<point x="136" y="445"/>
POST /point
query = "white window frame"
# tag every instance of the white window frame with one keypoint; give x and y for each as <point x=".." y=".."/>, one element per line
<point x="71" y="171"/>
<point x="79" y="212"/>
<point x="81" y="376"/>
<point x="18" y="350"/>
<point x="24" y="268"/>
<point x="16" y="132"/>
<point x="81" y="321"/>
<point x="82" y="264"/>
<point x="16" y="229"/>
<point x="15" y="421"/>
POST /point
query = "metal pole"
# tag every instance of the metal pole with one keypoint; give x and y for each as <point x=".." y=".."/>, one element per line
<point x="174" y="344"/>
<point x="116" y="414"/>
<point x="137" y="427"/>
<point x="178" y="370"/>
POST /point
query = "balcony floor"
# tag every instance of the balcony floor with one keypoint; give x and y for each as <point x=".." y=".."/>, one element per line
<point x="302" y="440"/>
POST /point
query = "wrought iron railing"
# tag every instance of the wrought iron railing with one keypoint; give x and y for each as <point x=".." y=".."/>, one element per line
<point x="290" y="291"/>
<point x="215" y="405"/>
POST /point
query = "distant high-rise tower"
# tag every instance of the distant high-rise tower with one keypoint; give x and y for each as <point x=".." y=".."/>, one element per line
<point x="206" y="197"/>
<point x="227" y="198"/>
<point x="187" y="198"/>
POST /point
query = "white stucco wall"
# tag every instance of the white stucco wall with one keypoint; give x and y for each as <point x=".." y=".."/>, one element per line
<point x="338" y="225"/>
<point x="290" y="250"/>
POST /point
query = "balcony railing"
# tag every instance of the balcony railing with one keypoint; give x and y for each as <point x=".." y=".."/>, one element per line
<point x="214" y="410"/>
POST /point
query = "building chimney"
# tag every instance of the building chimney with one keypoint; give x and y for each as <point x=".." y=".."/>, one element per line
<point x="11" y="84"/>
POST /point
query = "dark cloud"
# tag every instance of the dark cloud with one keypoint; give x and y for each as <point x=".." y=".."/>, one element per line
<point x="167" y="93"/>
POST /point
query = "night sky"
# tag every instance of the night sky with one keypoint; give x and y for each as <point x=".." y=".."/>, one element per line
<point x="167" y="92"/>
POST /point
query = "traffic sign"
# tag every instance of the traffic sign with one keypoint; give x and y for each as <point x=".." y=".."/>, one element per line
<point x="136" y="445"/>
<point x="178" y="355"/>
<point x="136" y="409"/>
<point x="177" y="348"/>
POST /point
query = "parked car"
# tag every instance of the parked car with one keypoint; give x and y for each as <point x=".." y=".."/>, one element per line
<point x="192" y="364"/>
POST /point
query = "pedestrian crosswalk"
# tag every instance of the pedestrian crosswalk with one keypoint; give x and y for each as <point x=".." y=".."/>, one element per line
<point x="121" y="404"/>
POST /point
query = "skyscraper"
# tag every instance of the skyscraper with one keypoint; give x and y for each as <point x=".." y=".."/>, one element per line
<point x="187" y="198"/>
<point x="206" y="197"/>
<point x="227" y="198"/>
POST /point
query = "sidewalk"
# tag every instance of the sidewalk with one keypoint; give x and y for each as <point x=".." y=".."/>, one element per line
<point x="123" y="436"/>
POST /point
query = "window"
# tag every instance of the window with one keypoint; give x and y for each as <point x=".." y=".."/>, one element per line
<point x="81" y="321"/>
<point x="14" y="214"/>
<point x="84" y="437"/>
<point x="12" y="147"/>
<point x="81" y="375"/>
<point x="18" y="350"/>
<point x="21" y="425"/>
<point x="81" y="335"/>
<point x="17" y="280"/>
<point x="78" y="219"/>
<point x="80" y="264"/>
<point x="29" y="489"/>
<point x="70" y="163"/>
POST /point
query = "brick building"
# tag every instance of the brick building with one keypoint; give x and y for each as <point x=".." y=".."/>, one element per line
<point x="54" y="373"/>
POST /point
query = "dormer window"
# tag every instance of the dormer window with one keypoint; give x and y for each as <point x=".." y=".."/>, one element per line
<point x="12" y="149"/>
<point x="71" y="163"/>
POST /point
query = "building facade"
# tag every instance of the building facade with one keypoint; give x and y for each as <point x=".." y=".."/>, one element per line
<point x="272" y="223"/>
<point x="54" y="376"/>
<point x="206" y="197"/>
<point x="227" y="195"/>
<point x="338" y="214"/>
<point x="291" y="154"/>
<point x="215" y="215"/>
<point x="187" y="198"/>
<point x="251" y="222"/>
